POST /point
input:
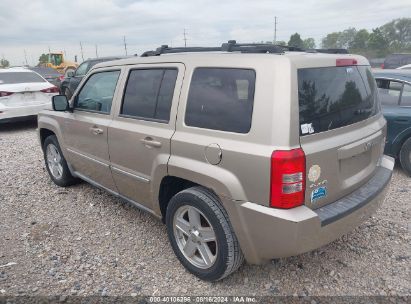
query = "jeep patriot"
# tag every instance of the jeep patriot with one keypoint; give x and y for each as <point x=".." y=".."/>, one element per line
<point x="246" y="151"/>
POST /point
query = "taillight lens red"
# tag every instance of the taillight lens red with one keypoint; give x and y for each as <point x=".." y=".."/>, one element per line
<point x="5" y="94"/>
<point x="287" y="178"/>
<point x="345" y="62"/>
<point x="382" y="66"/>
<point x="51" y="90"/>
<point x="61" y="78"/>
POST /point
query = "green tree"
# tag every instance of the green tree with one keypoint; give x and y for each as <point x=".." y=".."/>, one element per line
<point x="44" y="58"/>
<point x="377" y="42"/>
<point x="296" y="41"/>
<point x="360" y="40"/>
<point x="331" y="41"/>
<point x="398" y="33"/>
<point x="309" y="43"/>
<point x="4" y="63"/>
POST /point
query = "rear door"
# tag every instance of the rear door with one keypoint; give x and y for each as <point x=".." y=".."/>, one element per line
<point x="140" y="134"/>
<point x="341" y="130"/>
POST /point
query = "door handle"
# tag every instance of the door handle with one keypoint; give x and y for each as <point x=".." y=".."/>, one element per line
<point x="150" y="142"/>
<point x="96" y="131"/>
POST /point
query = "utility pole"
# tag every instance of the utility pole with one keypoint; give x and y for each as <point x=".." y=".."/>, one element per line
<point x="125" y="44"/>
<point x="185" y="38"/>
<point x="96" y="51"/>
<point x="25" y="56"/>
<point x="81" y="49"/>
<point x="275" y="30"/>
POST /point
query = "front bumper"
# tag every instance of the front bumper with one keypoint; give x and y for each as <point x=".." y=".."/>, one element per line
<point x="265" y="233"/>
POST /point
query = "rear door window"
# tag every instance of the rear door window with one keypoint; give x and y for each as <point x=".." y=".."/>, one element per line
<point x="19" y="77"/>
<point x="221" y="99"/>
<point x="334" y="97"/>
<point x="149" y="94"/>
<point x="389" y="91"/>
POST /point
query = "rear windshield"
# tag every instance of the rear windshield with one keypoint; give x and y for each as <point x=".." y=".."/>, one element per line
<point x="334" y="97"/>
<point x="19" y="77"/>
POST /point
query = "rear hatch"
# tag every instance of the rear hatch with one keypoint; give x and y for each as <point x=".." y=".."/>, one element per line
<point x="342" y="131"/>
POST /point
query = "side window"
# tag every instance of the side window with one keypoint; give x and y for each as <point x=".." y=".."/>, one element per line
<point x="82" y="69"/>
<point x="406" y="96"/>
<point x="389" y="91"/>
<point x="149" y="94"/>
<point x="97" y="93"/>
<point x="221" y="99"/>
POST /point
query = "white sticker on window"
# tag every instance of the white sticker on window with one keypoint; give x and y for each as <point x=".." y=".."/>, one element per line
<point x="310" y="128"/>
<point x="304" y="129"/>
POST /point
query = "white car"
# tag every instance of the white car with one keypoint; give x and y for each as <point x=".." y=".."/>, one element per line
<point x="23" y="94"/>
<point x="405" y="67"/>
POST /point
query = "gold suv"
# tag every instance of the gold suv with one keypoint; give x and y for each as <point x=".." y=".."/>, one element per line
<point x="248" y="151"/>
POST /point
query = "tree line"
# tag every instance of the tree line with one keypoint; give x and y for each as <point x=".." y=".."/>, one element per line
<point x="392" y="37"/>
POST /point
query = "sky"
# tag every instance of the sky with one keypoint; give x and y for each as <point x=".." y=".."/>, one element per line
<point x="29" y="28"/>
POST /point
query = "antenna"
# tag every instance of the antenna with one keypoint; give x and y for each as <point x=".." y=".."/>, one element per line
<point x="125" y="44"/>
<point x="96" y="51"/>
<point x="185" y="38"/>
<point x="81" y="49"/>
<point x="275" y="30"/>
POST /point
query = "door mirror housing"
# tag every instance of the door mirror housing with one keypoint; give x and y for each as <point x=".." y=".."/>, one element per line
<point x="60" y="103"/>
<point x="70" y="74"/>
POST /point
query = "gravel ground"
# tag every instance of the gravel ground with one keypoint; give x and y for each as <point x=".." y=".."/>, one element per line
<point x="83" y="241"/>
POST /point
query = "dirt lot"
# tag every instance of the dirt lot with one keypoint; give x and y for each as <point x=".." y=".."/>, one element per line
<point x="83" y="241"/>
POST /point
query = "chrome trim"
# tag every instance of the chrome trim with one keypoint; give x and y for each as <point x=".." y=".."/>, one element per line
<point x="88" y="157"/>
<point x="137" y="177"/>
<point x="112" y="192"/>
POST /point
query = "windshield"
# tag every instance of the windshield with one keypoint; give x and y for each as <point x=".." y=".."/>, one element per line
<point x="19" y="77"/>
<point x="334" y="97"/>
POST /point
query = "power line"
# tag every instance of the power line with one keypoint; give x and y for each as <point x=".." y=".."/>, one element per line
<point x="25" y="56"/>
<point x="185" y="38"/>
<point x="81" y="49"/>
<point x="125" y="44"/>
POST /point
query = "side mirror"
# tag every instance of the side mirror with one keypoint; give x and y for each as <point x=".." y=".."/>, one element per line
<point x="70" y="74"/>
<point x="60" y="103"/>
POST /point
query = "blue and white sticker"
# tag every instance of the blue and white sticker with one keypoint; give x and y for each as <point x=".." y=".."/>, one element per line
<point x="318" y="193"/>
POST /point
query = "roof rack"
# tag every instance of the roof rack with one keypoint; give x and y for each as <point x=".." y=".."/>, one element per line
<point x="332" y="51"/>
<point x="233" y="46"/>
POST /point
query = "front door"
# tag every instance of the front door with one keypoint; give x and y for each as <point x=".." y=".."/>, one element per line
<point x="85" y="130"/>
<point x="139" y="136"/>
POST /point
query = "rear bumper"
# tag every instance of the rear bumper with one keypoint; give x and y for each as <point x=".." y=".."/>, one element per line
<point x="11" y="113"/>
<point x="266" y="233"/>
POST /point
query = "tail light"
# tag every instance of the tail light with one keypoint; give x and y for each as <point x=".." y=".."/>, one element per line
<point x="51" y="90"/>
<point x="5" y="94"/>
<point x="382" y="65"/>
<point x="61" y="78"/>
<point x="345" y="62"/>
<point x="287" y="178"/>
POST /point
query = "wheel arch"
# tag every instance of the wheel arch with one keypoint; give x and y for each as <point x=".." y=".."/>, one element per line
<point x="399" y="140"/>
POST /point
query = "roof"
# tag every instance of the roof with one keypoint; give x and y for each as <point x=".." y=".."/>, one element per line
<point x="229" y="57"/>
<point x="404" y="75"/>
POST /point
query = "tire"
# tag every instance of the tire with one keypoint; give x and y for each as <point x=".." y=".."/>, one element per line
<point x="68" y="93"/>
<point x="56" y="164"/>
<point x="405" y="156"/>
<point x="224" y="253"/>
